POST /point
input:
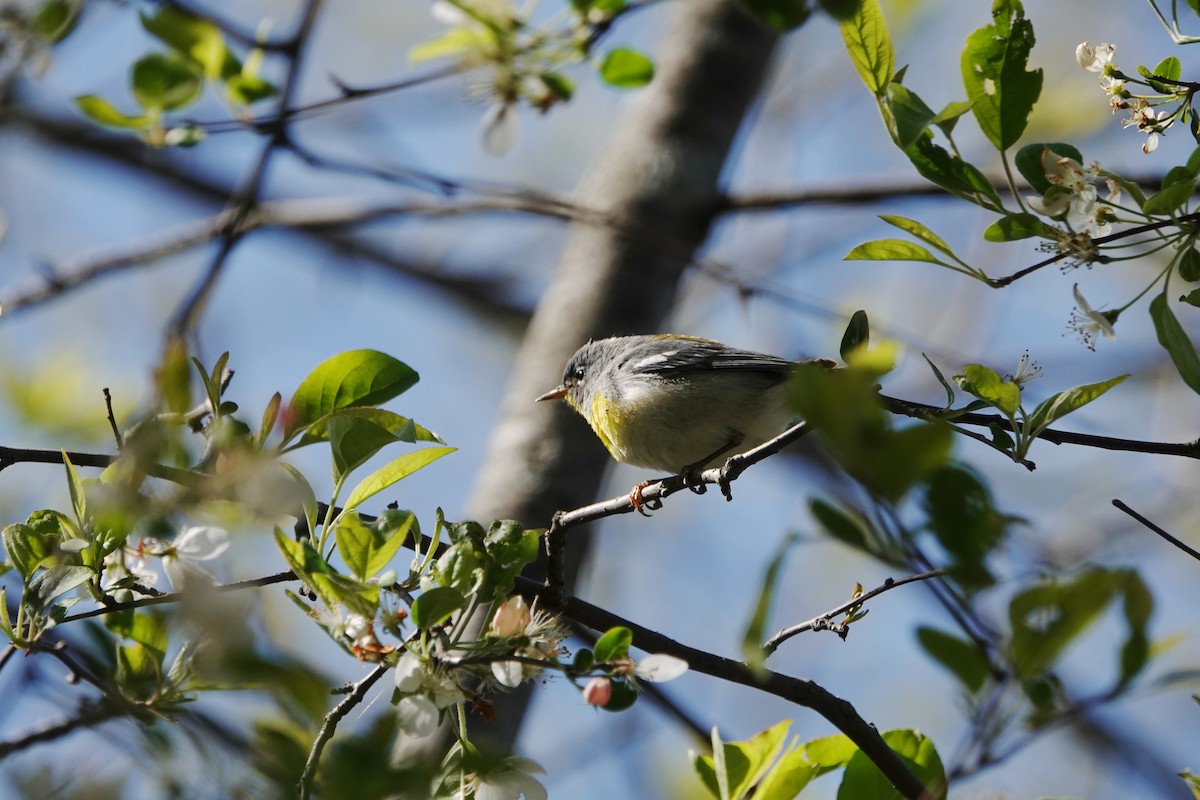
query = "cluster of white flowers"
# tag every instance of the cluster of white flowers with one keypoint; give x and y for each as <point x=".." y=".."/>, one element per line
<point x="1073" y="196"/>
<point x="1099" y="58"/>
<point x="540" y="638"/>
<point x="428" y="690"/>
<point x="182" y="558"/>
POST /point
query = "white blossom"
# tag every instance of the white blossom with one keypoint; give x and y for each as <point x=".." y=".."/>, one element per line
<point x="1089" y="322"/>
<point x="417" y="715"/>
<point x="1094" y="58"/>
<point x="660" y="668"/>
<point x="500" y="128"/>
<point x="181" y="558"/>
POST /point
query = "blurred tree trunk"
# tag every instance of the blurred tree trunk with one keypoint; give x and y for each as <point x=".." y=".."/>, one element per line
<point x="658" y="177"/>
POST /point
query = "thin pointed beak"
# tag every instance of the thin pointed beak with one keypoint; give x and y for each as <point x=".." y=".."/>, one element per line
<point x="553" y="394"/>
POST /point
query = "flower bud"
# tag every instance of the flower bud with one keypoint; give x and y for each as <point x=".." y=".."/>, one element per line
<point x="597" y="692"/>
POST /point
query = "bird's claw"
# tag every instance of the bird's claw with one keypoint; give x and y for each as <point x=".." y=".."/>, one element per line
<point x="640" y="504"/>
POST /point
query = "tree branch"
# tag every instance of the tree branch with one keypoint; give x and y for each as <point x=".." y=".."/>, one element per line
<point x="330" y="725"/>
<point x="1185" y="548"/>
<point x="840" y="713"/>
<point x="825" y="621"/>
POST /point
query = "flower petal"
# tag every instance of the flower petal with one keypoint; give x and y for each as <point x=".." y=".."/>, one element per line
<point x="660" y="667"/>
<point x="417" y="715"/>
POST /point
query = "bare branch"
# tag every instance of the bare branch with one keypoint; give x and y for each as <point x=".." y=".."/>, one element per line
<point x="1185" y="548"/>
<point x="825" y="621"/>
<point x="840" y="713"/>
<point x="89" y="714"/>
<point x="909" y="408"/>
<point x="330" y="725"/>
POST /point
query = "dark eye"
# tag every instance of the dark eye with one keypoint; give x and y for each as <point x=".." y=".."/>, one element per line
<point x="578" y="373"/>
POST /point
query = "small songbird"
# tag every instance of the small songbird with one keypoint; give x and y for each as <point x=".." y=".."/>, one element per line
<point x="677" y="403"/>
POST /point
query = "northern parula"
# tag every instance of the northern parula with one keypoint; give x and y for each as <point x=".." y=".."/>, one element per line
<point x="676" y="403"/>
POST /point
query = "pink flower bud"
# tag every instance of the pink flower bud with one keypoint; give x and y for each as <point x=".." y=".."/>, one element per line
<point x="511" y="617"/>
<point x="597" y="692"/>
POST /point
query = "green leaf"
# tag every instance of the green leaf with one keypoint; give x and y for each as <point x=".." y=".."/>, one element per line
<point x="781" y="15"/>
<point x="353" y="378"/>
<point x="965" y="522"/>
<point x="55" y="19"/>
<point x="354" y="441"/>
<point x="165" y="82"/>
<point x="1127" y="186"/>
<point x="857" y="335"/>
<point x="1169" y="68"/>
<point x="919" y="230"/>
<point x="1172" y="196"/>
<point x="394" y="471"/>
<point x="844" y="407"/>
<point x="301" y="556"/>
<point x="1189" y="265"/>
<point x="869" y="45"/>
<point x="892" y="250"/>
<point x="862" y="780"/>
<point x="1138" y="606"/>
<point x="1063" y="403"/>
<point x="193" y="36"/>
<point x="102" y="112"/>
<point x="402" y="428"/>
<point x="948" y="117"/>
<point x="27" y="547"/>
<point x="994" y="73"/>
<point x="623" y="696"/>
<point x="911" y="114"/>
<point x="455" y="42"/>
<point x="960" y="657"/>
<point x="366" y="549"/>
<point x="626" y="69"/>
<point x="436" y="605"/>
<point x="939" y="166"/>
<point x="830" y="752"/>
<point x="787" y="778"/>
<point x="1047" y="617"/>
<point x="848" y="528"/>
<point x="138" y="671"/>
<point x="244" y="90"/>
<point x="55" y="581"/>
<point x="736" y="767"/>
<point x="987" y="385"/>
<point x="1029" y="161"/>
<point x="1014" y="227"/>
<point x="752" y="639"/>
<point x="1192" y="781"/>
<point x="1192" y="298"/>
<point x="937" y="373"/>
<point x="77" y="491"/>
<point x="614" y="644"/>
<point x="1176" y="342"/>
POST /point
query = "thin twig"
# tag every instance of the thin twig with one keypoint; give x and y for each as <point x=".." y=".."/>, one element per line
<point x="1053" y="435"/>
<point x="112" y="419"/>
<point x="243" y="203"/>
<point x="330" y="725"/>
<point x="1185" y="548"/>
<point x="175" y="597"/>
<point x="998" y="283"/>
<point x="90" y="713"/>
<point x="825" y="621"/>
<point x="22" y="455"/>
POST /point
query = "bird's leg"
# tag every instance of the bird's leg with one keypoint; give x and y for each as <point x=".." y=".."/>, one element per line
<point x="640" y="504"/>
<point x="691" y="473"/>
